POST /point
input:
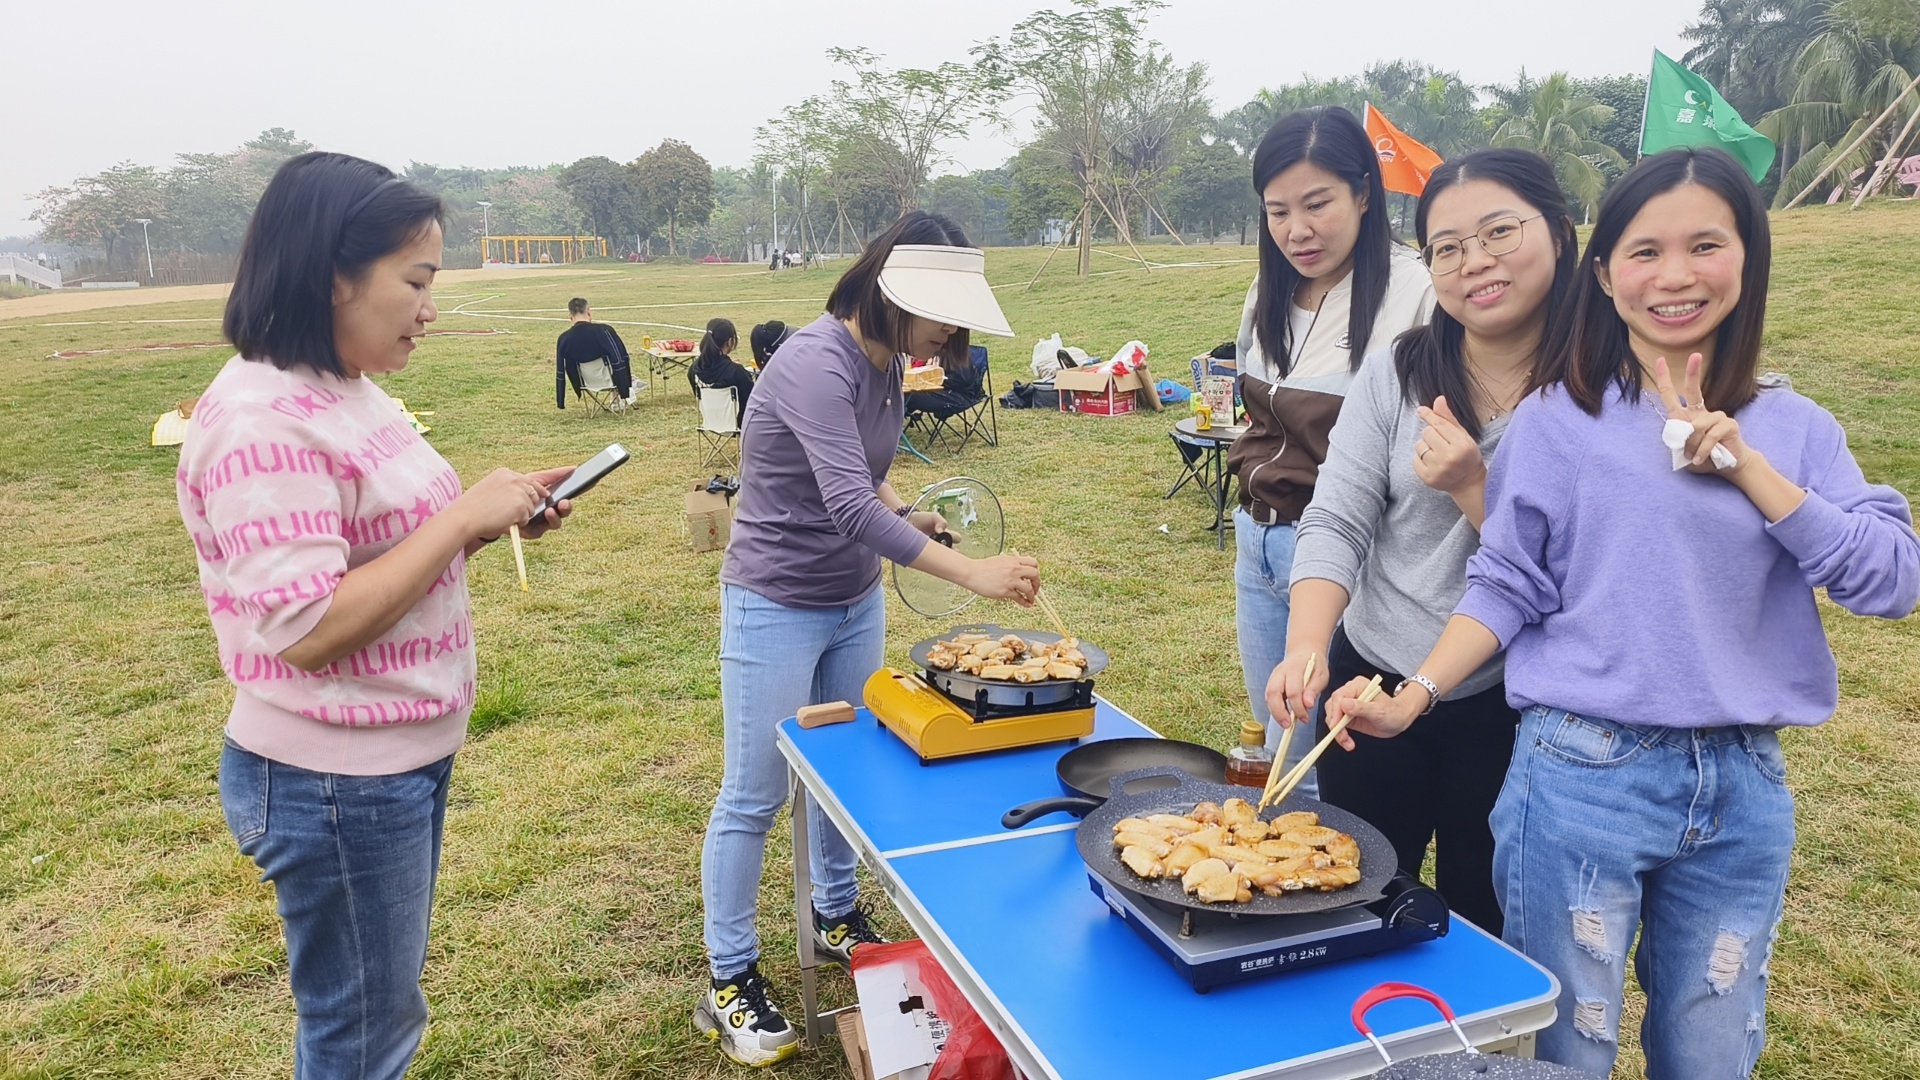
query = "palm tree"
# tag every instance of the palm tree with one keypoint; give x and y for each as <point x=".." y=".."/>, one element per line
<point x="1557" y="123"/>
<point x="1436" y="107"/>
<point x="1844" y="77"/>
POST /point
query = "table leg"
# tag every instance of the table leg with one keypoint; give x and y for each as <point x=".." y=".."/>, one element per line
<point x="803" y="916"/>
<point x="1217" y="465"/>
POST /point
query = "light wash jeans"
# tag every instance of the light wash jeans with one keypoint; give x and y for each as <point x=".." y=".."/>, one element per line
<point x="353" y="861"/>
<point x="773" y="660"/>
<point x="1684" y="834"/>
<point x="1263" y="559"/>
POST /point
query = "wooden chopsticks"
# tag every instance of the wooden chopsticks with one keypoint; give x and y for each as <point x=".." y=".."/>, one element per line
<point x="519" y="556"/>
<point x="1299" y="772"/>
<point x="1286" y="740"/>
<point x="1046" y="606"/>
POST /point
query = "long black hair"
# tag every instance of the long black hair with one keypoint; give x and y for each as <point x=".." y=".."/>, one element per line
<point x="713" y="345"/>
<point x="1594" y="349"/>
<point x="857" y="294"/>
<point x="1429" y="358"/>
<point x="322" y="216"/>
<point x="1327" y="136"/>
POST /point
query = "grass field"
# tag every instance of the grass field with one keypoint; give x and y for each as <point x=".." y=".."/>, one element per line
<point x="136" y="942"/>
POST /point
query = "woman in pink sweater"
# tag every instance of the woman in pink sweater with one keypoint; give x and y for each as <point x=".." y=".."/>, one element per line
<point x="332" y="543"/>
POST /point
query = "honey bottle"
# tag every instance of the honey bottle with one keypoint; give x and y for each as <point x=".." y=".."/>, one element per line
<point x="1249" y="763"/>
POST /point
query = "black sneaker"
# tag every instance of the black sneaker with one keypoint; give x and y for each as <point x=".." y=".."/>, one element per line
<point x="736" y="1014"/>
<point x="835" y="939"/>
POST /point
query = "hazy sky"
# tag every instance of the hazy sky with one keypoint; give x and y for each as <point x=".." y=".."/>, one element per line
<point x="494" y="83"/>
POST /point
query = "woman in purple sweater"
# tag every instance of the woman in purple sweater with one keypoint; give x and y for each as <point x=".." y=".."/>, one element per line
<point x="1648" y="562"/>
<point x="803" y="619"/>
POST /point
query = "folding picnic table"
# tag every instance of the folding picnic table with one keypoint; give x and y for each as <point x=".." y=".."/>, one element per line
<point x="1207" y="465"/>
<point x="1070" y="990"/>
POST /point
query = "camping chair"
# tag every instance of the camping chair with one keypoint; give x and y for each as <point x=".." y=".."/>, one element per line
<point x="978" y="420"/>
<point x="719" y="428"/>
<point x="596" y="390"/>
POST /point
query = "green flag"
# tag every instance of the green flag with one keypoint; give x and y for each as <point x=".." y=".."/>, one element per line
<point x="1684" y="109"/>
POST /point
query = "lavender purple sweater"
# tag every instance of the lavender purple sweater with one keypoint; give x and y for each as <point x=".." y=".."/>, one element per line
<point x="818" y="438"/>
<point x="1625" y="590"/>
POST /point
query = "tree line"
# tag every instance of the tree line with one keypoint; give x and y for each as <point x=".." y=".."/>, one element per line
<point x="1117" y="139"/>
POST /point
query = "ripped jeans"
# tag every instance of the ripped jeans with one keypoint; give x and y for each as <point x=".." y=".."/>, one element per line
<point x="1684" y="834"/>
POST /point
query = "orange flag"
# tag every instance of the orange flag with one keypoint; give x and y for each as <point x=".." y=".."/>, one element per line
<point x="1404" y="163"/>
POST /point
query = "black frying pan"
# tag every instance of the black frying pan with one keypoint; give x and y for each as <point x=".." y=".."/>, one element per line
<point x="1378" y="862"/>
<point x="1086" y="773"/>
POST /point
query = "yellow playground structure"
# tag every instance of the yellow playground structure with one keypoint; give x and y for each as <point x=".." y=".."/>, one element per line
<point x="540" y="249"/>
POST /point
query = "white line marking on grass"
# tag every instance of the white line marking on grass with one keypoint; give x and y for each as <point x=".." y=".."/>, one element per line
<point x="123" y="322"/>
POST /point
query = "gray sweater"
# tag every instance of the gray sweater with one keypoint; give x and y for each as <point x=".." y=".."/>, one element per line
<point x="1397" y="546"/>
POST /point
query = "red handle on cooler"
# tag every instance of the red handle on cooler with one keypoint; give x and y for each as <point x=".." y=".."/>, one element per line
<point x="1390" y="991"/>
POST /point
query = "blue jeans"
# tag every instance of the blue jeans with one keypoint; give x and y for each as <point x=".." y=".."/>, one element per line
<point x="353" y="860"/>
<point x="1263" y="559"/>
<point x="773" y="660"/>
<point x="1683" y="834"/>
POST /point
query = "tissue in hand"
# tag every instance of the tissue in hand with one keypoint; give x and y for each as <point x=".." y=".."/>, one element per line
<point x="1675" y="435"/>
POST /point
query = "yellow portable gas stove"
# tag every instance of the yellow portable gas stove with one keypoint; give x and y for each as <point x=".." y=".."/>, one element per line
<point x="942" y="714"/>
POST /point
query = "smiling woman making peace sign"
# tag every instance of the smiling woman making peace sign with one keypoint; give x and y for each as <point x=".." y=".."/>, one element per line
<point x="1660" y="627"/>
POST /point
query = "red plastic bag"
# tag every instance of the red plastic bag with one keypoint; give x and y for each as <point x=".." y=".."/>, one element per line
<point x="971" y="1052"/>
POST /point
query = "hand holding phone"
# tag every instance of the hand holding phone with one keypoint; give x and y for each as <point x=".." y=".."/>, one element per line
<point x="583" y="479"/>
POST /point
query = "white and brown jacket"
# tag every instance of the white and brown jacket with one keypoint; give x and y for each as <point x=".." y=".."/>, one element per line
<point x="1290" y="418"/>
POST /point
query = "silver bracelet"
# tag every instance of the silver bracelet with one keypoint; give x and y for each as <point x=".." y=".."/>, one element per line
<point x="1433" y="692"/>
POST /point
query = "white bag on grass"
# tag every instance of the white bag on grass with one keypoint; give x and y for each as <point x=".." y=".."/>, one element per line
<point x="1046" y="357"/>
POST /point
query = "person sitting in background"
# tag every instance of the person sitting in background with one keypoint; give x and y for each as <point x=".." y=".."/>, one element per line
<point x="715" y="367"/>
<point x="958" y="392"/>
<point x="765" y="338"/>
<point x="582" y="343"/>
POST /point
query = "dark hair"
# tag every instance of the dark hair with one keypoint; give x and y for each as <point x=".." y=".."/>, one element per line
<point x="765" y="338"/>
<point x="1327" y="136"/>
<point x="720" y="334"/>
<point x="1429" y="358"/>
<point x="857" y="294"/>
<point x="577" y="306"/>
<point x="1594" y="349"/>
<point x="322" y="216"/>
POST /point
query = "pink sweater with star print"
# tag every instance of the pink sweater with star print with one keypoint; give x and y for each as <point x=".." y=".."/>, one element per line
<point x="289" y="479"/>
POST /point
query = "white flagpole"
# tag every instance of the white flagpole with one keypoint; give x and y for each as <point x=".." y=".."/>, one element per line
<point x="1646" y="103"/>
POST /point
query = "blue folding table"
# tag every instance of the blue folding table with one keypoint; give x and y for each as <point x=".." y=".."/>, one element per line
<point x="1071" y="991"/>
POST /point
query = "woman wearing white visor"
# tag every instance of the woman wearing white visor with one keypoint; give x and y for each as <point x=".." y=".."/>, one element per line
<point x="803" y="619"/>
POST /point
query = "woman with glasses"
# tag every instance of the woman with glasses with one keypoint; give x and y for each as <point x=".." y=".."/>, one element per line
<point x="1382" y="550"/>
<point x="1331" y="283"/>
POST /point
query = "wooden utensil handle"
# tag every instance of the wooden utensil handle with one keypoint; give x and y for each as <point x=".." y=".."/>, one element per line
<point x="832" y="712"/>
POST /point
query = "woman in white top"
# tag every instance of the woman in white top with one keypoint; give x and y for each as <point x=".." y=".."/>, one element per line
<point x="1332" y="282"/>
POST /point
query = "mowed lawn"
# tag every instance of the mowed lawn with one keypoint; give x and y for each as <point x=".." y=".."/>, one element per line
<point x="135" y="941"/>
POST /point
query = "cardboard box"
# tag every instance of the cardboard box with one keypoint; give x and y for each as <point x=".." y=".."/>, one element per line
<point x="853" y="1039"/>
<point x="1097" y="391"/>
<point x="900" y="1033"/>
<point x="709" y="518"/>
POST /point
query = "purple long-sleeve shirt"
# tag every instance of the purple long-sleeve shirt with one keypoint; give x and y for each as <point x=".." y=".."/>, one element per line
<point x="1623" y="589"/>
<point x="819" y="435"/>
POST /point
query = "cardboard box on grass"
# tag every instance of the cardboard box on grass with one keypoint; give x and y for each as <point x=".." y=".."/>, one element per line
<point x="709" y="518"/>
<point x="1097" y="391"/>
<point x="894" y="1034"/>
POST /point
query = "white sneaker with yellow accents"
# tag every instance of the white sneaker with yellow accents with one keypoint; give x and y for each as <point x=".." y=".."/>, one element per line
<point x="736" y="1014"/>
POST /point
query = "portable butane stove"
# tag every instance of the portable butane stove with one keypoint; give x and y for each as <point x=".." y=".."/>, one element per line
<point x="1217" y="948"/>
<point x="938" y="720"/>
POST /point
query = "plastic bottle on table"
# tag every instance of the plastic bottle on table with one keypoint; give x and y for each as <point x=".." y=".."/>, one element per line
<point x="1250" y="762"/>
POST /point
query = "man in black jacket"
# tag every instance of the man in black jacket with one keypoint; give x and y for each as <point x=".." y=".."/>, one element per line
<point x="583" y="342"/>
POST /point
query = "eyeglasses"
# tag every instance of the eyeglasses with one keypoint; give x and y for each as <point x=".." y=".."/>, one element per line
<point x="1500" y="236"/>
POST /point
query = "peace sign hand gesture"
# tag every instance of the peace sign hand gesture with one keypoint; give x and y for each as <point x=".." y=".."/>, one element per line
<point x="1713" y="445"/>
<point x="1445" y="457"/>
